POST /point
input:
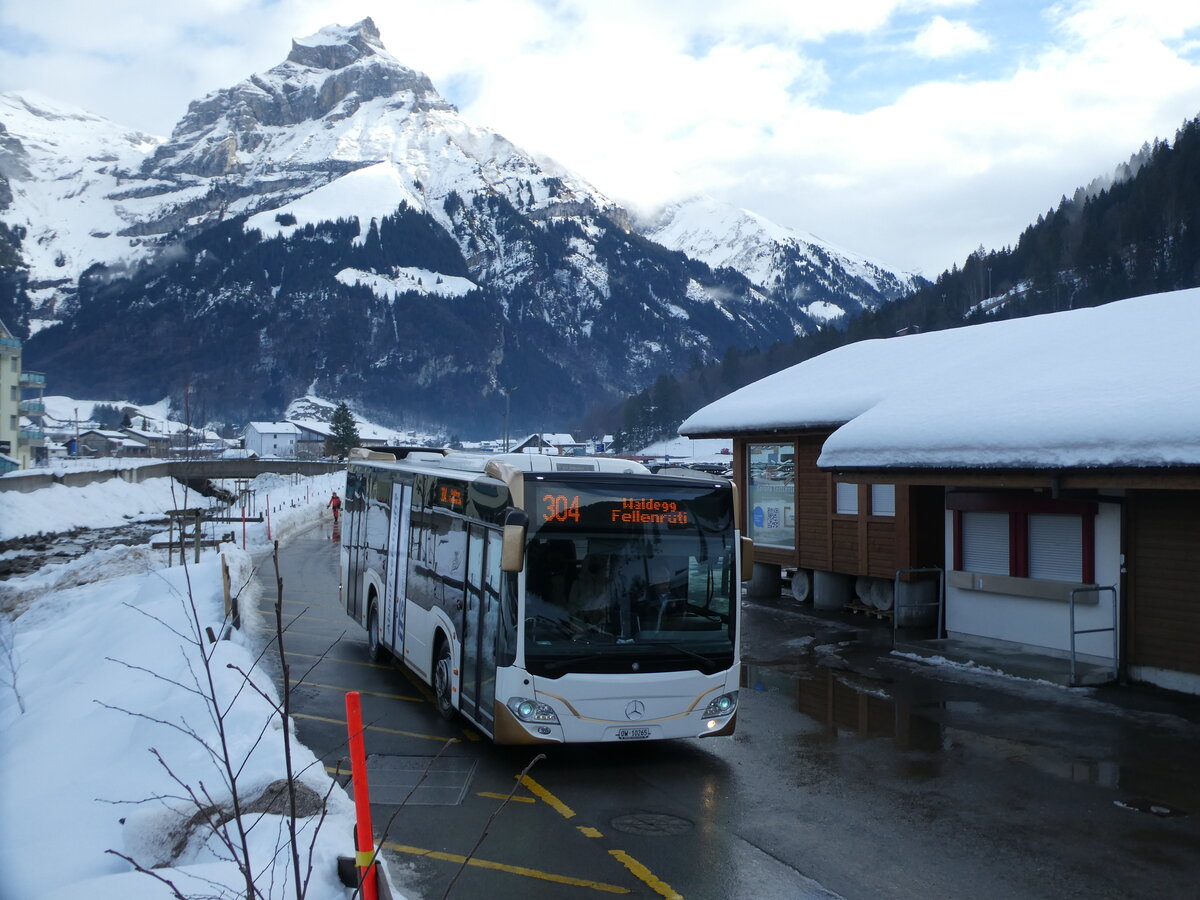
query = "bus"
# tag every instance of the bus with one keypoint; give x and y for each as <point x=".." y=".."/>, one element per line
<point x="550" y="599"/>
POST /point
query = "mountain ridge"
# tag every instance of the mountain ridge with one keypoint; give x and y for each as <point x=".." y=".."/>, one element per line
<point x="305" y="197"/>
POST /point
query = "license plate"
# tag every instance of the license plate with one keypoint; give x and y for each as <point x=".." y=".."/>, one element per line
<point x="632" y="734"/>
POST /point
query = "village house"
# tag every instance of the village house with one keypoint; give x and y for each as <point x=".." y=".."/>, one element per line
<point x="156" y="443"/>
<point x="96" y="442"/>
<point x="271" y="438"/>
<point x="1033" y="485"/>
<point x="560" y="444"/>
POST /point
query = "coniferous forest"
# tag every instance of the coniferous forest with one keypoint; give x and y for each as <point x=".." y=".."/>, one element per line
<point x="1137" y="236"/>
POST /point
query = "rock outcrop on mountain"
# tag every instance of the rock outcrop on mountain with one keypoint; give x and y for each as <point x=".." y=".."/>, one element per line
<point x="334" y="224"/>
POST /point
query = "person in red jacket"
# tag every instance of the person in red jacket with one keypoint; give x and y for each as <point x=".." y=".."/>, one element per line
<point x="335" y="503"/>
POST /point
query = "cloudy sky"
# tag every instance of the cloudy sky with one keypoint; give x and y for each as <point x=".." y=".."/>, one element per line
<point x="910" y="130"/>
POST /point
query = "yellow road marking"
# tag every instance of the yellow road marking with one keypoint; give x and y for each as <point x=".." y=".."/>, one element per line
<point x="337" y="687"/>
<point x="268" y="609"/>
<point x="542" y="794"/>
<point x="505" y="867"/>
<point x="290" y="631"/>
<point x="589" y="831"/>
<point x="647" y="877"/>
<point x="380" y="728"/>
<point x="515" y="799"/>
<point x="349" y="662"/>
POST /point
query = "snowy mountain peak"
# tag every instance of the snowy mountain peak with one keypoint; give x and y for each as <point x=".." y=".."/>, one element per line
<point x="337" y="46"/>
<point x="328" y="77"/>
<point x="824" y="281"/>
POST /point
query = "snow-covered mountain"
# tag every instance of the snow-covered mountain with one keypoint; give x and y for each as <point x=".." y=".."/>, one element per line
<point x="60" y="179"/>
<point x="335" y="223"/>
<point x="822" y="281"/>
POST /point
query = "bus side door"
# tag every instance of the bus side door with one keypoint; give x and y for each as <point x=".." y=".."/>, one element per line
<point x="353" y="545"/>
<point x="396" y="588"/>
<point x="481" y="625"/>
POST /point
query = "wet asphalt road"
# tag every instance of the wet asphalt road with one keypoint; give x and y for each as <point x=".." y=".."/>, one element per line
<point x="867" y="777"/>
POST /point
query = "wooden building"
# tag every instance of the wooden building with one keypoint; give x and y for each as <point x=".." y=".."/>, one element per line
<point x="1047" y="471"/>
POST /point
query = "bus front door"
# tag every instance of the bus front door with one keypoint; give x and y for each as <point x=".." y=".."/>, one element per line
<point x="481" y="622"/>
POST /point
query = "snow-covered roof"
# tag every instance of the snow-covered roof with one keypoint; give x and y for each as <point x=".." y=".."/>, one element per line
<point x="557" y="439"/>
<point x="146" y="435"/>
<point x="1114" y="385"/>
<point x="273" y="427"/>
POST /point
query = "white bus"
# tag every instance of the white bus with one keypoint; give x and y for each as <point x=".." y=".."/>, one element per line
<point x="550" y="599"/>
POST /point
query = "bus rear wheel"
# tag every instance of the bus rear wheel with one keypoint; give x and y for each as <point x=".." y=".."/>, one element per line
<point x="443" y="682"/>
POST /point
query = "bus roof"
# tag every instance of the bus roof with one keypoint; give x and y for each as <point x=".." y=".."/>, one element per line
<point x="477" y="462"/>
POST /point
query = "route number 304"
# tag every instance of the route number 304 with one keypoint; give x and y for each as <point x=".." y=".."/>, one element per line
<point x="560" y="508"/>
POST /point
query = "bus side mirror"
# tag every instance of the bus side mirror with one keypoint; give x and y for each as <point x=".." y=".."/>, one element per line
<point x="747" y="558"/>
<point x="512" y="553"/>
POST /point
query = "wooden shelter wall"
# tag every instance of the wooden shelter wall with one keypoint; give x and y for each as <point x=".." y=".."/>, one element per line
<point x="1164" y="581"/>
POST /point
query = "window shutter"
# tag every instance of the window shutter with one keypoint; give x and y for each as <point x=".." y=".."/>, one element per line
<point x="883" y="499"/>
<point x="1056" y="547"/>
<point x="985" y="542"/>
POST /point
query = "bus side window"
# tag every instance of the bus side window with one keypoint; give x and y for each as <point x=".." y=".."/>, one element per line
<point x="449" y="562"/>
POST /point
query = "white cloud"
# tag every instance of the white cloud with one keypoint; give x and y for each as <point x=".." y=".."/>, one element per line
<point x="942" y="38"/>
<point x="649" y="99"/>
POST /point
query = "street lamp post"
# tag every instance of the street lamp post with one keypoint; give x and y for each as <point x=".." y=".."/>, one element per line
<point x="507" y="409"/>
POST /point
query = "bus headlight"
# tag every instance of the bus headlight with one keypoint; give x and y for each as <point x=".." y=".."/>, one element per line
<point x="723" y="705"/>
<point x="532" y="710"/>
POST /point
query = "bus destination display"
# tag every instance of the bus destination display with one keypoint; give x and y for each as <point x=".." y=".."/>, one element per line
<point x="564" y="508"/>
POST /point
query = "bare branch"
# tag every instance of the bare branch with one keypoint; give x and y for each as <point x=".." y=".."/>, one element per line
<point x="153" y="674"/>
<point x="155" y="875"/>
<point x="488" y="825"/>
<point x="8" y="650"/>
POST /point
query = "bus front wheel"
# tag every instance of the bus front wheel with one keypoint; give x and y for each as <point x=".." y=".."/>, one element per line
<point x="443" y="681"/>
<point x="374" y="645"/>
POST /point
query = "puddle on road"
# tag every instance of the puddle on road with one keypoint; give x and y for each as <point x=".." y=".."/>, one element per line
<point x="851" y="706"/>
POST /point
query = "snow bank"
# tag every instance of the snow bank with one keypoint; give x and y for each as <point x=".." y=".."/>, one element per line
<point x="104" y="504"/>
<point x="100" y="679"/>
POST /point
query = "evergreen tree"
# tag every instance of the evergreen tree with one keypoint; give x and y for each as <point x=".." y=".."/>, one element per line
<point x="106" y="415"/>
<point x="344" y="434"/>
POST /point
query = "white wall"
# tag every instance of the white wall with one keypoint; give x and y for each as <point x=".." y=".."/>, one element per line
<point x="1037" y="622"/>
<point x="270" y="444"/>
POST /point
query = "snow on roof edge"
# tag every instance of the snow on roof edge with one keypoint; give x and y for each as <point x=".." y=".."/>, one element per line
<point x="1107" y="386"/>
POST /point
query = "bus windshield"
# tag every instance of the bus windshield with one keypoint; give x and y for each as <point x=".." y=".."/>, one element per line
<point x="629" y="575"/>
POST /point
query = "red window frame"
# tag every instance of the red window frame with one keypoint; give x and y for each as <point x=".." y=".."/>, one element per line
<point x="1019" y="508"/>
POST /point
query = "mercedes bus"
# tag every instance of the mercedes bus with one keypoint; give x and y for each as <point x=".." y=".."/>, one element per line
<point x="550" y="599"/>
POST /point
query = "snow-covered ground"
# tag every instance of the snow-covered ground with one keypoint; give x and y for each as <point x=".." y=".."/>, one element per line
<point x="105" y="708"/>
<point x="104" y="504"/>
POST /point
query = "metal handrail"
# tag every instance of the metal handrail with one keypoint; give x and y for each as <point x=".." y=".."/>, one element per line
<point x="1113" y="628"/>
<point x="941" y="600"/>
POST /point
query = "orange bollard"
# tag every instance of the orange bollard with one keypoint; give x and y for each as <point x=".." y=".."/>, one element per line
<point x="364" y="856"/>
